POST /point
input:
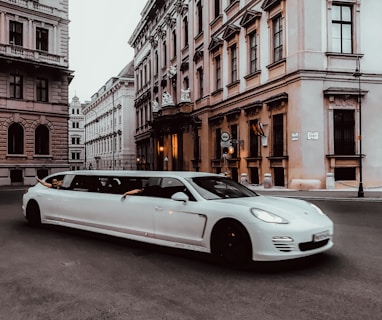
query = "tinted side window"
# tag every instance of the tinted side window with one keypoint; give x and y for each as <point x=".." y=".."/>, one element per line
<point x="171" y="186"/>
<point x="58" y="177"/>
<point x="165" y="188"/>
<point x="84" y="183"/>
<point x="119" y="185"/>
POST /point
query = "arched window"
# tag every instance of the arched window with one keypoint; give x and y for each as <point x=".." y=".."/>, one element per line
<point x="41" y="142"/>
<point x="15" y="139"/>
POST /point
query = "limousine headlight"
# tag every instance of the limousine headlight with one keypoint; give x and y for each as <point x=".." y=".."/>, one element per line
<point x="267" y="216"/>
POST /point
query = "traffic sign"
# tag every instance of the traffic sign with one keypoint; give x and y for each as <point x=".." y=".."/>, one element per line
<point x="225" y="144"/>
<point x="225" y="136"/>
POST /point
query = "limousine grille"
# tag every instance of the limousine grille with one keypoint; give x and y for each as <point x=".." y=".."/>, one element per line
<point x="306" y="246"/>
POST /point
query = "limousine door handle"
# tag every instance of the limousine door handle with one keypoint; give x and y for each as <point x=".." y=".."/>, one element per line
<point x="158" y="208"/>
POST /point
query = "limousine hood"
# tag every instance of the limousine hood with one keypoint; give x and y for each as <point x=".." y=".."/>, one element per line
<point x="290" y="209"/>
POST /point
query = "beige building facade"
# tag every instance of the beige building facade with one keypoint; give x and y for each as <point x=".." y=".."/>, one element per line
<point x="110" y="124"/>
<point x="34" y="79"/>
<point x="286" y="89"/>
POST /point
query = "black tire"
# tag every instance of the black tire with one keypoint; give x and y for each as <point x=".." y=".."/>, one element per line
<point x="33" y="213"/>
<point x="231" y="244"/>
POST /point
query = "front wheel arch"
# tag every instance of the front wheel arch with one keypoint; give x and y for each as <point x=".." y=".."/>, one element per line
<point x="231" y="243"/>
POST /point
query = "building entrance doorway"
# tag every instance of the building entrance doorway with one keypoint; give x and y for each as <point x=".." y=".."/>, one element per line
<point x="16" y="176"/>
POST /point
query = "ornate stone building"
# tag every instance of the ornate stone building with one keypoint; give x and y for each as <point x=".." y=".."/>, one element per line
<point x="34" y="79"/>
<point x="110" y="124"/>
<point x="279" y="87"/>
<point x="76" y="129"/>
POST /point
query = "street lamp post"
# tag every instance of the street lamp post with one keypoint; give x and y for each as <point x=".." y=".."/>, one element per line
<point x="358" y="75"/>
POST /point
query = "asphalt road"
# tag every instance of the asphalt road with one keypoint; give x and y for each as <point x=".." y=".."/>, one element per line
<point x="56" y="273"/>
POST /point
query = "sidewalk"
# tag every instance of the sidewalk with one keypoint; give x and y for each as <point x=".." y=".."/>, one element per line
<point x="347" y="193"/>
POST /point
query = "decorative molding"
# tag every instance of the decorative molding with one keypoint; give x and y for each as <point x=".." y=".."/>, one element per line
<point x="276" y="102"/>
<point x="161" y="32"/>
<point x="269" y="4"/>
<point x="184" y="65"/>
<point x="198" y="56"/>
<point x="249" y="18"/>
<point x="180" y="7"/>
<point x="153" y="42"/>
<point x="233" y="114"/>
<point x="230" y="32"/>
<point x="216" y="119"/>
<point x="215" y="44"/>
<point x="170" y="21"/>
<point x="253" y="108"/>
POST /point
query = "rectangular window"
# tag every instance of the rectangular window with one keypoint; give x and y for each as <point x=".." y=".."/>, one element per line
<point x="186" y="83"/>
<point x="217" y="8"/>
<point x="218" y="73"/>
<point x="42" y="90"/>
<point x="233" y="63"/>
<point x="75" y="155"/>
<point x="279" y="176"/>
<point x="174" y="44"/>
<point x="277" y="39"/>
<point x="344" y="142"/>
<point x="342" y="29"/>
<point x="253" y="52"/>
<point x="253" y="140"/>
<point x="234" y="136"/>
<point x="201" y="88"/>
<point x="156" y="63"/>
<point x="42" y="36"/>
<point x="278" y="135"/>
<point x="218" y="149"/>
<point x="15" y="33"/>
<point x="254" y="175"/>
<point x="344" y="174"/>
<point x="200" y="16"/>
<point x="164" y="54"/>
<point x="185" y="22"/>
<point x="16" y="86"/>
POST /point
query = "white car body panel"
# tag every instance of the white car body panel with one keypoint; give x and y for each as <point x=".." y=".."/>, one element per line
<point x="188" y="224"/>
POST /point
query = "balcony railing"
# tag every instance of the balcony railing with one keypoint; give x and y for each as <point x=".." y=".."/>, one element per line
<point x="34" y="5"/>
<point x="33" y="55"/>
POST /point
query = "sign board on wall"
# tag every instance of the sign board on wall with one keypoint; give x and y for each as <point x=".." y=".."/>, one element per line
<point x="312" y="135"/>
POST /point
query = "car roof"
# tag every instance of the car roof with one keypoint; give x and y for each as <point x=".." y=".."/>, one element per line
<point x="136" y="173"/>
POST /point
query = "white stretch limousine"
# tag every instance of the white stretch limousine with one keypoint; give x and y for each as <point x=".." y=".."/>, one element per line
<point x="191" y="210"/>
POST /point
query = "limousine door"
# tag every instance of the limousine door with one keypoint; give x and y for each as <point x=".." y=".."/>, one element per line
<point x="92" y="208"/>
<point x="177" y="221"/>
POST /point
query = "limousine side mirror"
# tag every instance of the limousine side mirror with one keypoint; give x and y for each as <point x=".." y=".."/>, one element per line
<point x="180" y="196"/>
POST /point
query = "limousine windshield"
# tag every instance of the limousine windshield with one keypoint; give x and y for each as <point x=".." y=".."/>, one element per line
<point x="213" y="187"/>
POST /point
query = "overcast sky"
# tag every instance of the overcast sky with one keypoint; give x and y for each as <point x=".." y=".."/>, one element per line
<point x="98" y="48"/>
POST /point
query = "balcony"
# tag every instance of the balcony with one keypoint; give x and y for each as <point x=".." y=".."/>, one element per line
<point x="35" y="5"/>
<point x="32" y="55"/>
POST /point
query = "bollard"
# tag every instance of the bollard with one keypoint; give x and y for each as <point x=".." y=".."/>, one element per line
<point x="330" y="181"/>
<point x="267" y="183"/>
<point x="244" y="179"/>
